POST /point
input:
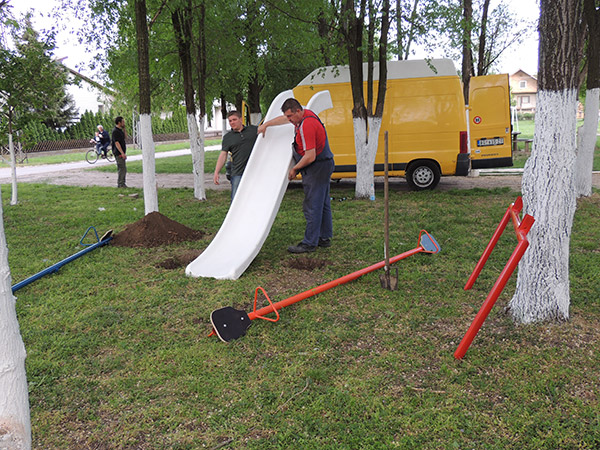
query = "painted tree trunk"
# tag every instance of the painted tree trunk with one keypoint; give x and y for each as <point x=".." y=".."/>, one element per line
<point x="13" y="170"/>
<point x="586" y="144"/>
<point x="542" y="292"/>
<point x="148" y="165"/>
<point x="255" y="118"/>
<point x="366" y="150"/>
<point x="224" y="125"/>
<point x="15" y="425"/>
<point x="196" y="132"/>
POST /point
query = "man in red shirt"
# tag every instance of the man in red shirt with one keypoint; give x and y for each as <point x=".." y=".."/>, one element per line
<point x="314" y="160"/>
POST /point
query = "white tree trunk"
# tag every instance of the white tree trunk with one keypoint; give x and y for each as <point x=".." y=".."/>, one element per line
<point x="148" y="165"/>
<point x="542" y="292"/>
<point x="13" y="169"/>
<point x="586" y="144"/>
<point x="255" y="118"/>
<point x="15" y="425"/>
<point x="224" y="127"/>
<point x="196" y="132"/>
<point x="366" y="150"/>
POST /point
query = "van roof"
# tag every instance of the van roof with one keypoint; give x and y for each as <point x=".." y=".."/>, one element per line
<point x="415" y="68"/>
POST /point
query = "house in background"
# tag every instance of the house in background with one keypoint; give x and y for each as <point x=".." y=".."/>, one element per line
<point x="523" y="88"/>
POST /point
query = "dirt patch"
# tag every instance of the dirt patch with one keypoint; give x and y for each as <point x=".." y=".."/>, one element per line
<point x="155" y="230"/>
<point x="307" y="263"/>
<point x="179" y="261"/>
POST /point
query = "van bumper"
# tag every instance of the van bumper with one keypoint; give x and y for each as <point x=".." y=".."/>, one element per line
<point x="463" y="164"/>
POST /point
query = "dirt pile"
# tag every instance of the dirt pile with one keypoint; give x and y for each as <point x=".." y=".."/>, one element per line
<point x="154" y="230"/>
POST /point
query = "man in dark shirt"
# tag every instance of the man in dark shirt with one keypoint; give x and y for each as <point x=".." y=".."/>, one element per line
<point x="119" y="148"/>
<point x="239" y="142"/>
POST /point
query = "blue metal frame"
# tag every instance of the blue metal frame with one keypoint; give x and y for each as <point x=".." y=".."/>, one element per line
<point x="58" y="265"/>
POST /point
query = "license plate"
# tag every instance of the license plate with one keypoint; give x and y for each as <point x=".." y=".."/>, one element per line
<point x="490" y="142"/>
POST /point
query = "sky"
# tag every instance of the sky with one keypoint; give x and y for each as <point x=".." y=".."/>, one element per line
<point x="523" y="56"/>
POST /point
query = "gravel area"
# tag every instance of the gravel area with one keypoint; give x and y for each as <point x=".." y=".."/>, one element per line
<point x="89" y="177"/>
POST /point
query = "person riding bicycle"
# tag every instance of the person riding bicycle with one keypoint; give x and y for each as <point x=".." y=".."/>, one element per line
<point x="102" y="141"/>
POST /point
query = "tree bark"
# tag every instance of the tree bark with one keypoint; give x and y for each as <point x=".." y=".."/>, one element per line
<point x="13" y="160"/>
<point x="181" y="19"/>
<point x="15" y="423"/>
<point x="467" y="56"/>
<point x="542" y="292"/>
<point x="198" y="146"/>
<point x="482" y="60"/>
<point x="586" y="142"/>
<point x="148" y="150"/>
<point x="367" y="123"/>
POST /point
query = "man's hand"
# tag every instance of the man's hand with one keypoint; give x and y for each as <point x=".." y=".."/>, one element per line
<point x="292" y="174"/>
<point x="262" y="129"/>
<point x="216" y="178"/>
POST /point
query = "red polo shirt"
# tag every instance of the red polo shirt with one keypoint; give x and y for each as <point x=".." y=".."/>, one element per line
<point x="310" y="134"/>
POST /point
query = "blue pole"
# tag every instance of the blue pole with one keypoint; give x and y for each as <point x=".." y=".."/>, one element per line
<point x="58" y="265"/>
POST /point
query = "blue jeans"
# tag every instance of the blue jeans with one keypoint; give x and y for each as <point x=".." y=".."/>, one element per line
<point x="317" y="205"/>
<point x="102" y="149"/>
<point x="235" y="183"/>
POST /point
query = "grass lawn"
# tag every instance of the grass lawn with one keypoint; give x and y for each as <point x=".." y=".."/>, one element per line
<point x="119" y="358"/>
<point x="175" y="164"/>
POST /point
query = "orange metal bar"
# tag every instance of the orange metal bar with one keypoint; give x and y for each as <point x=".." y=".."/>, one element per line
<point x="427" y="244"/>
<point x="273" y="307"/>
<point x="521" y="230"/>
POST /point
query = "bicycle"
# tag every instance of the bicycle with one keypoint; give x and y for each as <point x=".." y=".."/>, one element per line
<point x="92" y="155"/>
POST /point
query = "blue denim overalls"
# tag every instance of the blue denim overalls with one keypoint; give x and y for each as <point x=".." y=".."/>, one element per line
<point x="315" y="182"/>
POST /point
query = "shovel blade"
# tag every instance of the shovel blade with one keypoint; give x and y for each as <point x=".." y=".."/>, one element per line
<point x="230" y="323"/>
<point x="389" y="281"/>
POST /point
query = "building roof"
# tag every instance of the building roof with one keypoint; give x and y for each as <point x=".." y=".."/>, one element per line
<point x="524" y="73"/>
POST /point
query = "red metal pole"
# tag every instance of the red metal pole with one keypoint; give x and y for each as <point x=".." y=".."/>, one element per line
<point x="515" y="208"/>
<point x="317" y="290"/>
<point x="489" y="302"/>
<point x="521" y="230"/>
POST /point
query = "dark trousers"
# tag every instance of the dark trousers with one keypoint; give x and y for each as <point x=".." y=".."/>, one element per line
<point x="122" y="171"/>
<point x="317" y="202"/>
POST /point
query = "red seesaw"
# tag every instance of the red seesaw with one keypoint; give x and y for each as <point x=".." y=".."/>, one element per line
<point x="229" y="323"/>
<point x="521" y="229"/>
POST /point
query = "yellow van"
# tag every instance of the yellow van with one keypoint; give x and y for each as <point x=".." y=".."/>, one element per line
<point x="426" y="120"/>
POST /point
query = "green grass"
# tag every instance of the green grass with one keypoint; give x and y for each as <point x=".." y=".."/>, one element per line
<point x="119" y="358"/>
<point x="527" y="128"/>
<point x="79" y="155"/>
<point x="175" y="164"/>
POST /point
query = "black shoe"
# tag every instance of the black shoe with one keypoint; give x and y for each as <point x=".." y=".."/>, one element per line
<point x="324" y="243"/>
<point x="301" y="248"/>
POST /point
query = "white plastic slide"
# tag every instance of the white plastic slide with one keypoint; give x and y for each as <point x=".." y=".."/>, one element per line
<point x="257" y="200"/>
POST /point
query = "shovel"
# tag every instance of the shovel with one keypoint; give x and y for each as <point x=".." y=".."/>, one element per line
<point x="387" y="280"/>
<point x="229" y="323"/>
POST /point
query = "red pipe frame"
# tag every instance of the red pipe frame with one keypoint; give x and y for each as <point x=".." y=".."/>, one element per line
<point x="521" y="230"/>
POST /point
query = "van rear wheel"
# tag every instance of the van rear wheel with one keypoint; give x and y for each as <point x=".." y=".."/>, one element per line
<point x="422" y="175"/>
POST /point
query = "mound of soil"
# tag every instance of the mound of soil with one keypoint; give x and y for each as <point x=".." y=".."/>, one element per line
<point x="306" y="263"/>
<point x="154" y="230"/>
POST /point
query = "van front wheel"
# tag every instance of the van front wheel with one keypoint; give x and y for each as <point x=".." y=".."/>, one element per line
<point x="422" y="175"/>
